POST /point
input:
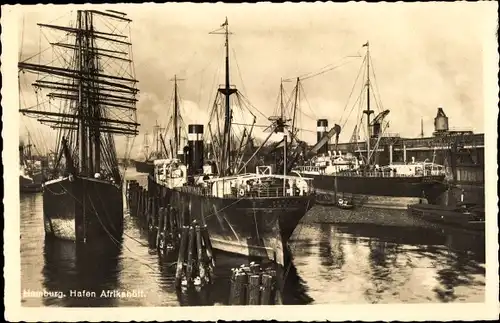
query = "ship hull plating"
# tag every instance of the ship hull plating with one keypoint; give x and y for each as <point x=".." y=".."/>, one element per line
<point x="382" y="192"/>
<point x="29" y="186"/>
<point x="82" y="209"/>
<point x="146" y="167"/>
<point x="32" y="184"/>
<point x="254" y="227"/>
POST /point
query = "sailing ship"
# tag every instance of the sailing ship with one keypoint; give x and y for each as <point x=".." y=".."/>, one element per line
<point x="97" y="91"/>
<point x="146" y="165"/>
<point x="392" y="186"/>
<point x="162" y="149"/>
<point x="251" y="214"/>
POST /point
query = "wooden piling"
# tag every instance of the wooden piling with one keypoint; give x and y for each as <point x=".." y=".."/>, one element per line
<point x="238" y="289"/>
<point x="208" y="245"/>
<point x="255" y="268"/>
<point x="180" y="259"/>
<point x="135" y="197"/>
<point x="172" y="227"/>
<point x="136" y="200"/>
<point x="160" y="241"/>
<point x="190" y="260"/>
<point x="253" y="290"/>
<point x="144" y="203"/>
<point x="250" y="285"/>
<point x="200" y="254"/>
<point x="149" y="211"/>
<point x="139" y="202"/>
<point x="266" y="293"/>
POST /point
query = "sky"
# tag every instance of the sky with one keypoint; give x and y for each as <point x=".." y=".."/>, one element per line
<point x="424" y="55"/>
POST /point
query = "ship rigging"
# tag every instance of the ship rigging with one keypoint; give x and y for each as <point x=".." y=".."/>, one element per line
<point x="93" y="81"/>
<point x="248" y="213"/>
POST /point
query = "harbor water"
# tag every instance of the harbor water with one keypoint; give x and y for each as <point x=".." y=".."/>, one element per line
<point x="332" y="264"/>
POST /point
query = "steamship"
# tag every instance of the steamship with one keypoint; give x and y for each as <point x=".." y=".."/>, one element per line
<point x="392" y="186"/>
<point x="252" y="214"/>
<point x="84" y="202"/>
<point x="31" y="174"/>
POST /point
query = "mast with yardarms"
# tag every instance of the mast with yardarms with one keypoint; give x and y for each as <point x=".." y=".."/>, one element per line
<point x="93" y="81"/>
<point x="260" y="209"/>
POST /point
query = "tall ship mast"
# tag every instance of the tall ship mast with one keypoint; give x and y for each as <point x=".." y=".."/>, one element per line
<point x="163" y="147"/>
<point x="91" y="93"/>
<point x="391" y="186"/>
<point x="247" y="213"/>
<point x="176" y="128"/>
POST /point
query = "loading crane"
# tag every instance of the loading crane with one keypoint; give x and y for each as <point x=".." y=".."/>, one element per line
<point x="334" y="131"/>
<point x="376" y="123"/>
<point x="302" y="148"/>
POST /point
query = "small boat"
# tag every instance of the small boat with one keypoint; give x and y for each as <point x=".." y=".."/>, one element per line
<point x="468" y="216"/>
<point x="342" y="203"/>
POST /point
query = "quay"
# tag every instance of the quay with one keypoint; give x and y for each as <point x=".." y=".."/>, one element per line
<point x="461" y="150"/>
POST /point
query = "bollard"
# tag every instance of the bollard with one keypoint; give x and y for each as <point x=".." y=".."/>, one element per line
<point x="253" y="290"/>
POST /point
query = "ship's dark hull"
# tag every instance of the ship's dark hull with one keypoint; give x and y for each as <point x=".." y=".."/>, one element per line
<point x="447" y="215"/>
<point x="382" y="192"/>
<point x="144" y="166"/>
<point x="30" y="184"/>
<point x="255" y="227"/>
<point x="82" y="209"/>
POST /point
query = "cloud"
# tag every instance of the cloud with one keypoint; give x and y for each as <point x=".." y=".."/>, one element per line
<point x="424" y="55"/>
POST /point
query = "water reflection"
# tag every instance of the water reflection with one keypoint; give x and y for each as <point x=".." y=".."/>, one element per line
<point x="80" y="270"/>
<point x="330" y="264"/>
<point x="385" y="265"/>
<point x="293" y="290"/>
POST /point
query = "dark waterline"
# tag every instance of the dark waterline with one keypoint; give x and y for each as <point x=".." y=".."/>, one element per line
<point x="332" y="264"/>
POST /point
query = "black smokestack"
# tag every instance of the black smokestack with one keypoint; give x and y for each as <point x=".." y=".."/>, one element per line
<point x="195" y="143"/>
<point x="321" y="130"/>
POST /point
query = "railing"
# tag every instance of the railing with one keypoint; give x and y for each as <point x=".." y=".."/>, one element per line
<point x="224" y="188"/>
<point x="317" y="169"/>
<point x="390" y="135"/>
<point x="387" y="174"/>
